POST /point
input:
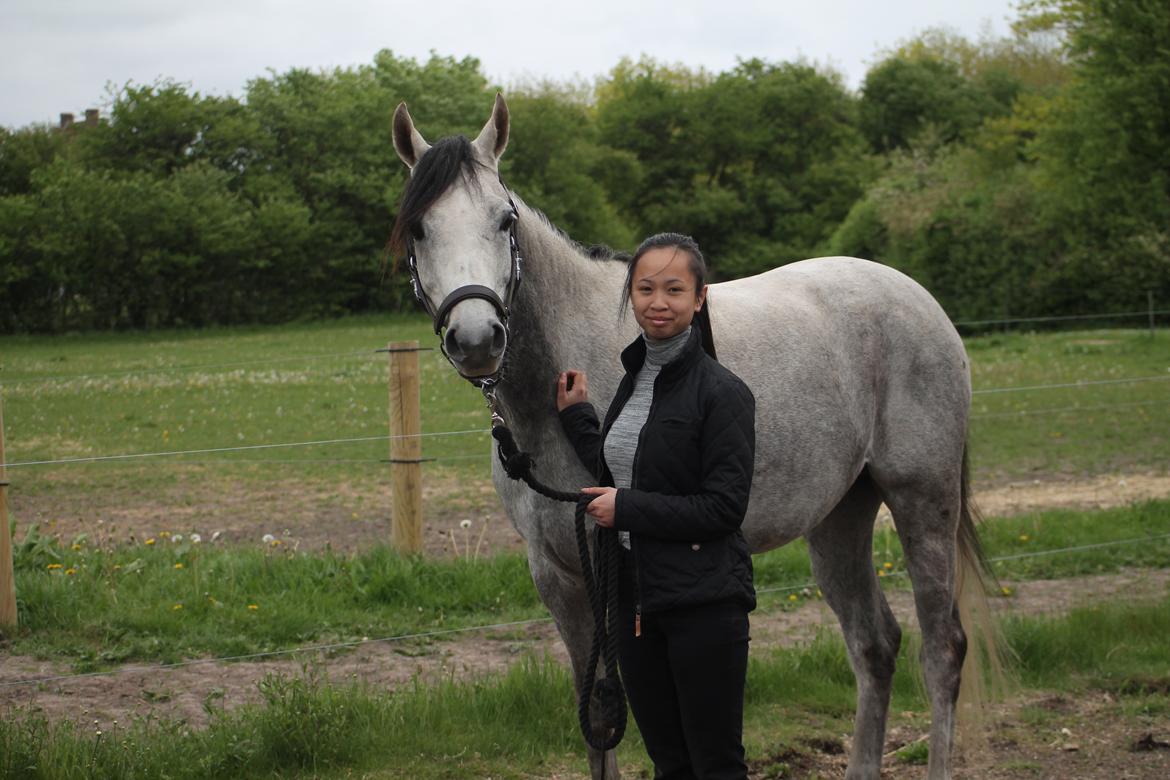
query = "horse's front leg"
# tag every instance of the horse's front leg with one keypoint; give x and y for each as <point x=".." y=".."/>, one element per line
<point x="563" y="592"/>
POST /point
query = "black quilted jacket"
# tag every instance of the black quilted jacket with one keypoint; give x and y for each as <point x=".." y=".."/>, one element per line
<point x="691" y="478"/>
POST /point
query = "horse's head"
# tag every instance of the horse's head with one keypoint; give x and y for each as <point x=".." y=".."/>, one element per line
<point x="457" y="227"/>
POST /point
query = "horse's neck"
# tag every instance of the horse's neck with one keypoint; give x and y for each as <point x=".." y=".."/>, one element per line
<point x="561" y="291"/>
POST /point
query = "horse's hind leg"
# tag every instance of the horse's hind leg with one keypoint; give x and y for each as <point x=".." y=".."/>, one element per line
<point x="926" y="515"/>
<point x="841" y="549"/>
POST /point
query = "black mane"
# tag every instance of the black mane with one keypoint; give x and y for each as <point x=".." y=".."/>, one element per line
<point x="434" y="174"/>
<point x="603" y="252"/>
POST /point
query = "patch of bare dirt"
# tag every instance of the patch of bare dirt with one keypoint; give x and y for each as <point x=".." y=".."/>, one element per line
<point x="354" y="514"/>
<point x="305" y="514"/>
<point x="1089" y="737"/>
<point x="1100" y="491"/>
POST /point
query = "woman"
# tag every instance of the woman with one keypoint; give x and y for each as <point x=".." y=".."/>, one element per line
<point x="674" y="458"/>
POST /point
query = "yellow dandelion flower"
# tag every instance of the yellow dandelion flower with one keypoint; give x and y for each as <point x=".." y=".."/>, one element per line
<point x="819" y="594"/>
<point x="1023" y="537"/>
<point x="76" y="546"/>
<point x="53" y="566"/>
<point x="177" y="607"/>
<point x="150" y="541"/>
<point x="1006" y="590"/>
<point x="793" y="597"/>
<point x="117" y="566"/>
<point x="164" y="534"/>
<point x="178" y="565"/>
<point x="70" y="572"/>
<point x="887" y="565"/>
<point x="253" y="607"/>
<point x="275" y="543"/>
<point x="881" y="573"/>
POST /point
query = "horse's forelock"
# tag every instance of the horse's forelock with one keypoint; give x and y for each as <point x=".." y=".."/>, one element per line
<point x="446" y="161"/>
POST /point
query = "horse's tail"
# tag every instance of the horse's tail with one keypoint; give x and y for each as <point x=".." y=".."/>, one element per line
<point x="983" y="674"/>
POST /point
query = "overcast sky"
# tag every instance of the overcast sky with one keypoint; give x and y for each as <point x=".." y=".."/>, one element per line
<point x="59" y="55"/>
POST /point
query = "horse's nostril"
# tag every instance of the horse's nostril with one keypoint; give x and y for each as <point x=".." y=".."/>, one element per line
<point x="451" y="343"/>
<point x="499" y="339"/>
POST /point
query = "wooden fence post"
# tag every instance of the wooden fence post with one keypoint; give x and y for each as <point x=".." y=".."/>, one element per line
<point x="405" y="448"/>
<point x="7" y="579"/>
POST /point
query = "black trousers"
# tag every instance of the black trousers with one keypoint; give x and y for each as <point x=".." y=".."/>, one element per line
<point x="684" y="677"/>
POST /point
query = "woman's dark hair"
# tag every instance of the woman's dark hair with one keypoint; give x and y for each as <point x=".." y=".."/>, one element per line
<point x="687" y="244"/>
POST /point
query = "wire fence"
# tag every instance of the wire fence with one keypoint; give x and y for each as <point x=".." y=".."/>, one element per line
<point x="482" y="431"/>
<point x="1149" y="314"/>
<point x="447" y="632"/>
<point x="1067" y="317"/>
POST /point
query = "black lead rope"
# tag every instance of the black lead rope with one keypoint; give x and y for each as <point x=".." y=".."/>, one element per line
<point x="601" y="583"/>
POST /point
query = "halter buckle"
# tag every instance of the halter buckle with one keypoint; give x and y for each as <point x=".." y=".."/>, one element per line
<point x="488" y="388"/>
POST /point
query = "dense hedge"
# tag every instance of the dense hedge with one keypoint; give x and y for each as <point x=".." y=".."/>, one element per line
<point x="1029" y="175"/>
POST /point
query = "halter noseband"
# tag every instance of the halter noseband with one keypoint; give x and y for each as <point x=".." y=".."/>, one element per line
<point x="503" y="306"/>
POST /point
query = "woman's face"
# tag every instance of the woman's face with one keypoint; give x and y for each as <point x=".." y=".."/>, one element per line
<point x="663" y="293"/>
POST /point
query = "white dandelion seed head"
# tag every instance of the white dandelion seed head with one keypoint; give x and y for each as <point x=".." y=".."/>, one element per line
<point x="268" y="539"/>
<point x="465" y="524"/>
<point x="177" y="538"/>
<point x="196" y="538"/>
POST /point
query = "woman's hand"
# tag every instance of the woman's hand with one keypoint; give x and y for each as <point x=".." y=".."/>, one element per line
<point x="579" y="392"/>
<point x="601" y="508"/>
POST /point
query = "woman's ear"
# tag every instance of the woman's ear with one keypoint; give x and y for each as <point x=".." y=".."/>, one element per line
<point x="700" y="298"/>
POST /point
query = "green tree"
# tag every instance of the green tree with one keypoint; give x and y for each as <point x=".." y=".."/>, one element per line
<point x="332" y="145"/>
<point x="902" y="96"/>
<point x="556" y="162"/>
<point x="759" y="164"/>
<point x="23" y="151"/>
<point x="1103" y="156"/>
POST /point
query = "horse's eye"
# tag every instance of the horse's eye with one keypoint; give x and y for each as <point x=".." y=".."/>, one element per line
<point x="416" y="231"/>
<point x="508" y="222"/>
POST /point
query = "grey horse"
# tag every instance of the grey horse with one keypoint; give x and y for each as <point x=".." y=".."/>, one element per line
<point x="862" y="389"/>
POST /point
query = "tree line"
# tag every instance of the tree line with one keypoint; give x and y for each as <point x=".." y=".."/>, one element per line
<point x="1028" y="175"/>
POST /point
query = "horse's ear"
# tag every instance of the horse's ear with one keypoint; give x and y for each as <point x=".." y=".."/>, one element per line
<point x="408" y="142"/>
<point x="493" y="139"/>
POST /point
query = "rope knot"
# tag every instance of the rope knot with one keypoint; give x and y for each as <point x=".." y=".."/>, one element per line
<point x="519" y="465"/>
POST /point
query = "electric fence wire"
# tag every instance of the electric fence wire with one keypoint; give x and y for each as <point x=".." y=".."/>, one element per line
<point x="129" y="456"/>
<point x="242" y="448"/>
<point x="192" y="367"/>
<point x="1065" y="317"/>
<point x="1066" y="409"/>
<point x="1078" y="383"/>
<point x="367" y="353"/>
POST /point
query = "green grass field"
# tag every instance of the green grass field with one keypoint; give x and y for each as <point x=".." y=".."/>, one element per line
<point x="105" y="394"/>
<point x="96" y="607"/>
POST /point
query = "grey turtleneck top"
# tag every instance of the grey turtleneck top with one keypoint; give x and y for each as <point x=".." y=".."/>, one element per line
<point x="622" y="440"/>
